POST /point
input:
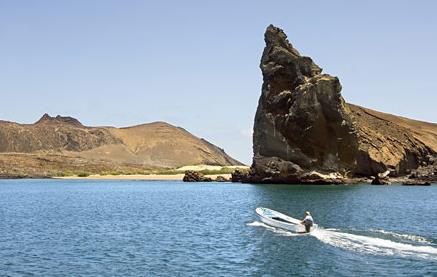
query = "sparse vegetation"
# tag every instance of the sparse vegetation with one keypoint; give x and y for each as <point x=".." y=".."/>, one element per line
<point x="83" y="174"/>
<point x="223" y="170"/>
<point x="126" y="172"/>
<point x="167" y="172"/>
<point x="18" y="165"/>
<point x="61" y="174"/>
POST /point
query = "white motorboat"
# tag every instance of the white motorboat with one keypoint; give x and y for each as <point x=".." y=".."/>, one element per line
<point x="279" y="220"/>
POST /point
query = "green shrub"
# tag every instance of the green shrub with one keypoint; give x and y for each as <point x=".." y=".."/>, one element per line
<point x="83" y="174"/>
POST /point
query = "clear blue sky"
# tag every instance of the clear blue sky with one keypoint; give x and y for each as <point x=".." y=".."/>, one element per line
<point x="195" y="63"/>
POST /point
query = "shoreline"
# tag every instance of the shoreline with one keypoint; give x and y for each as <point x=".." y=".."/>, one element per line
<point x="150" y="177"/>
<point x="179" y="177"/>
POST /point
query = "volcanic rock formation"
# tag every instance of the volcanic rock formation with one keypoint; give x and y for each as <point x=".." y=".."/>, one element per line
<point x="304" y="131"/>
<point x="194" y="176"/>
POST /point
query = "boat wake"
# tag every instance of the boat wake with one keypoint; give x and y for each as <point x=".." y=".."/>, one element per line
<point x="408" y="237"/>
<point x="375" y="246"/>
<point x="369" y="245"/>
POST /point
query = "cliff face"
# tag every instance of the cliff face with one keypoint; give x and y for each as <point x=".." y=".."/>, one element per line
<point x="304" y="131"/>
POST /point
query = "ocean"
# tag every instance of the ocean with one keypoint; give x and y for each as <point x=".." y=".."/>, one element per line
<point x="171" y="228"/>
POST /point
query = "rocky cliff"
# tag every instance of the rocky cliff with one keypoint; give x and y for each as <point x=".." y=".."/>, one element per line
<point x="59" y="144"/>
<point x="304" y="130"/>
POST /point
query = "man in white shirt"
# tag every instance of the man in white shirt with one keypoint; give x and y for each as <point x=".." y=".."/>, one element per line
<point x="308" y="221"/>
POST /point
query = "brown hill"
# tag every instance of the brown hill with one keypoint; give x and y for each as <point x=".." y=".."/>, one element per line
<point x="389" y="142"/>
<point x="154" y="145"/>
<point x="304" y="131"/>
<point x="52" y="134"/>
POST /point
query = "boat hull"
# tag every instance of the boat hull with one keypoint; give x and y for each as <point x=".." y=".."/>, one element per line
<point x="282" y="221"/>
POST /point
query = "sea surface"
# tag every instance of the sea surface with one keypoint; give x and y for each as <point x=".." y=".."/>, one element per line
<point x="170" y="228"/>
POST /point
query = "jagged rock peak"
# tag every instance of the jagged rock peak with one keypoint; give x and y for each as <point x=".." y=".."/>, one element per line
<point x="280" y="55"/>
<point x="302" y="122"/>
<point x="276" y="36"/>
<point x="46" y="118"/>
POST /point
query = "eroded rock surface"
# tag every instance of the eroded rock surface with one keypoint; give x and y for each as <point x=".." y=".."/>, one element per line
<point x="305" y="132"/>
<point x="194" y="176"/>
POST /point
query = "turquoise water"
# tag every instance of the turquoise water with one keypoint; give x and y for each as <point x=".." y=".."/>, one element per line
<point x="144" y="228"/>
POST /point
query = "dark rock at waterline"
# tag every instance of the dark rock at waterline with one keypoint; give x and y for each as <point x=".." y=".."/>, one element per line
<point x="412" y="176"/>
<point x="194" y="176"/>
<point x="221" y="179"/>
<point x="426" y="174"/>
<point x="380" y="181"/>
<point x="416" y="183"/>
<point x="239" y="176"/>
<point x="305" y="132"/>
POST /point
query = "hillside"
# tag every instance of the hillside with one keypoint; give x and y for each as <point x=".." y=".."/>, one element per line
<point x="63" y="144"/>
<point x="392" y="142"/>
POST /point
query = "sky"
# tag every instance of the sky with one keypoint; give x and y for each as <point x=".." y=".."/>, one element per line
<point x="195" y="64"/>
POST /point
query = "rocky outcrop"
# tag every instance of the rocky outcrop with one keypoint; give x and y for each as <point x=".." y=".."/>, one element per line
<point x="239" y="176"/>
<point x="416" y="183"/>
<point x="424" y="174"/>
<point x="221" y="179"/>
<point x="305" y="132"/>
<point x="194" y="176"/>
<point x="47" y="119"/>
<point x="380" y="181"/>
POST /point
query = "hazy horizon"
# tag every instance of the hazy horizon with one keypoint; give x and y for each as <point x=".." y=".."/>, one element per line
<point x="196" y="65"/>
